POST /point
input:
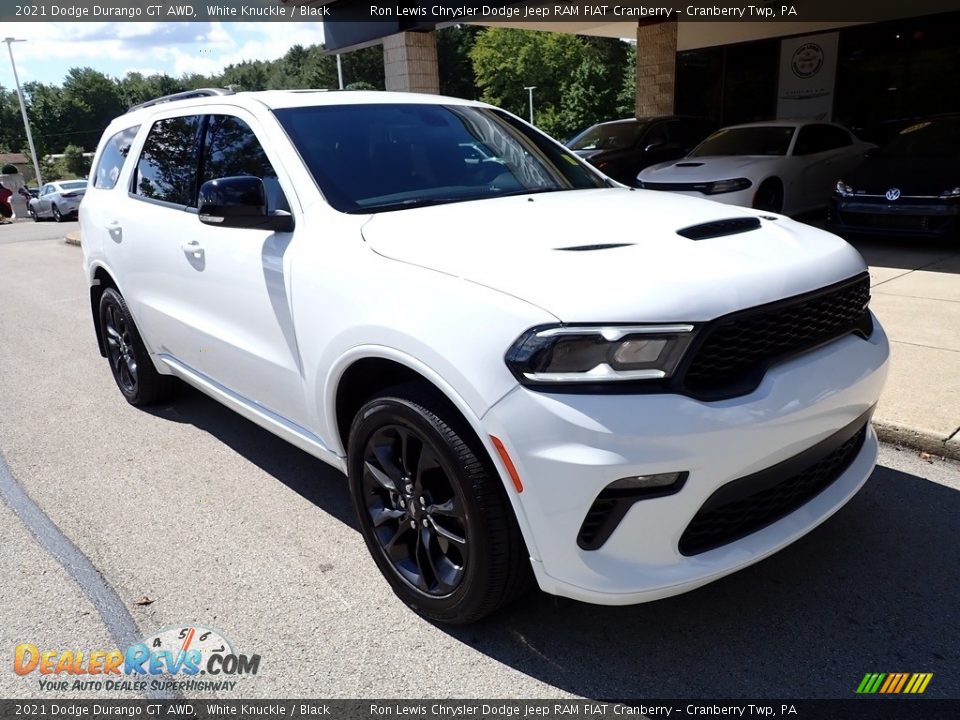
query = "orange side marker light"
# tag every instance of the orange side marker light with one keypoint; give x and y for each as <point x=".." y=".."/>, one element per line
<point x="511" y="468"/>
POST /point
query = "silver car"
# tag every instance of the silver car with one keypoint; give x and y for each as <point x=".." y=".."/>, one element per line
<point x="57" y="200"/>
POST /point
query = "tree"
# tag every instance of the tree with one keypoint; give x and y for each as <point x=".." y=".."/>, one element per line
<point x="455" y="66"/>
<point x="364" y="65"/>
<point x="577" y="79"/>
<point x="73" y="163"/>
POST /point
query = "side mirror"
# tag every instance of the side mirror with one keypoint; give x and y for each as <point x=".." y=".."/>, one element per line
<point x="239" y="202"/>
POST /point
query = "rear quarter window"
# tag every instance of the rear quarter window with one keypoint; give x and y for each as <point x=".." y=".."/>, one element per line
<point x="112" y="158"/>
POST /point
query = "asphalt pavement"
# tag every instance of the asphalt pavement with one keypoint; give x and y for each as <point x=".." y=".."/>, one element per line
<point x="189" y="514"/>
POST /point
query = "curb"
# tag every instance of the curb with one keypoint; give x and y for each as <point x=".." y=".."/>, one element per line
<point x="73" y="238"/>
<point x="916" y="439"/>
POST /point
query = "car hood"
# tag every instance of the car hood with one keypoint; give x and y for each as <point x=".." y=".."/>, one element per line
<point x="516" y="245"/>
<point x="701" y="169"/>
<point x="912" y="175"/>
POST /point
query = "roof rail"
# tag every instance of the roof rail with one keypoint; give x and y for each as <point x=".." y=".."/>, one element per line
<point x="186" y="95"/>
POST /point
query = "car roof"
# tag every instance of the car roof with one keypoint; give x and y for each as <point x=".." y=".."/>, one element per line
<point x="278" y="99"/>
<point x="782" y="123"/>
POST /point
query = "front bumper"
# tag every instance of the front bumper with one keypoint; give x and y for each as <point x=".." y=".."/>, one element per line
<point x="933" y="219"/>
<point x="568" y="447"/>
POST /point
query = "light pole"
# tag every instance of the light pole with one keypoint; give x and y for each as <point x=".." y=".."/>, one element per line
<point x="23" y="109"/>
<point x="530" y="93"/>
<point x="340" y="71"/>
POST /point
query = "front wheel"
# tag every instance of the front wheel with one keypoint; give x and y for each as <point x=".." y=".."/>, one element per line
<point x="434" y="515"/>
<point x="32" y="213"/>
<point x="769" y="196"/>
<point x="132" y="368"/>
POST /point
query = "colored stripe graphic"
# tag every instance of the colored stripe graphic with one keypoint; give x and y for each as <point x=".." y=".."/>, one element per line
<point x="894" y="683"/>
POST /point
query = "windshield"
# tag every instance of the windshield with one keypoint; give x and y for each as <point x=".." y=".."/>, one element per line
<point x="369" y="158"/>
<point x="609" y="136"/>
<point x="766" y="140"/>
<point x="73" y="184"/>
<point x="930" y="138"/>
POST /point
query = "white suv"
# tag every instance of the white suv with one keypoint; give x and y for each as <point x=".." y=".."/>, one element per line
<point x="518" y="363"/>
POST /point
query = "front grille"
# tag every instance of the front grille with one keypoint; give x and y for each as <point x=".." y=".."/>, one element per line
<point x="746" y="505"/>
<point x="734" y="351"/>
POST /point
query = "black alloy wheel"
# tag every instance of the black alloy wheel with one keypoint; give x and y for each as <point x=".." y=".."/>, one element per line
<point x="417" y="516"/>
<point x="432" y="510"/>
<point x="130" y="363"/>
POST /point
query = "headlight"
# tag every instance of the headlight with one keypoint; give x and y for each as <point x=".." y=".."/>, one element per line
<point x="586" y="354"/>
<point x="843" y="189"/>
<point x="952" y="193"/>
<point x="724" y="186"/>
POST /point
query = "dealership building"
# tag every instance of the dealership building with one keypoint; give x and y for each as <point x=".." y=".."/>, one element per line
<point x="903" y="63"/>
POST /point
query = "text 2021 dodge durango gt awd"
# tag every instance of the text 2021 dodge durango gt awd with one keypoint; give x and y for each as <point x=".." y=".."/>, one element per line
<point x="525" y="369"/>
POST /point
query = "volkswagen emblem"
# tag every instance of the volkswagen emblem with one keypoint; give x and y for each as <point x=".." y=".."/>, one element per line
<point x="893" y="194"/>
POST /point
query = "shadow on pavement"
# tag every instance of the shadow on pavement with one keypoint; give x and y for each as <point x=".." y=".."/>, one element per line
<point x="874" y="589"/>
<point x="307" y="476"/>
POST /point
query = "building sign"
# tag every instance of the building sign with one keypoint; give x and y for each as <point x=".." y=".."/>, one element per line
<point x="808" y="70"/>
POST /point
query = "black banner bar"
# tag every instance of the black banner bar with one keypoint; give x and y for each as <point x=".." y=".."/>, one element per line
<point x="424" y="14"/>
<point x="873" y="708"/>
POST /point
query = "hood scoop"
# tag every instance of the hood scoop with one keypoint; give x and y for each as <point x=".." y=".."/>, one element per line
<point x="689" y="164"/>
<point x="587" y="248"/>
<point x="720" y="228"/>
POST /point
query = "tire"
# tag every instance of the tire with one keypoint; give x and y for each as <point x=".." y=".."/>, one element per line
<point x="769" y="196"/>
<point x="56" y="214"/>
<point x="32" y="213"/>
<point x="463" y="558"/>
<point x="130" y="363"/>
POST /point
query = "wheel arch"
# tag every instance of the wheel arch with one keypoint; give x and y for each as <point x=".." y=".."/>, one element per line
<point x="100" y="279"/>
<point x="366" y="371"/>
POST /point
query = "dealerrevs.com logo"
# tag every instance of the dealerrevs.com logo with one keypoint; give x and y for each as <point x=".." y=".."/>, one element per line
<point x="177" y="658"/>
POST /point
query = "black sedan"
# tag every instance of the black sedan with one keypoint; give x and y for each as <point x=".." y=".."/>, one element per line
<point x="911" y="186"/>
<point x="622" y="148"/>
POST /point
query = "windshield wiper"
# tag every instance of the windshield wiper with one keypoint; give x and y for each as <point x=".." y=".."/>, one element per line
<point x="409" y="203"/>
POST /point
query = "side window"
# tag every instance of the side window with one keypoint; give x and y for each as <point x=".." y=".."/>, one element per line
<point x="657" y="135"/>
<point x="167" y="169"/>
<point x="230" y="149"/>
<point x="111" y="160"/>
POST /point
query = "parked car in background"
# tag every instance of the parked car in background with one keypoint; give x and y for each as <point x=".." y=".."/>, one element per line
<point x="911" y="186"/>
<point x="779" y="166"/>
<point x="57" y="200"/>
<point x="622" y="148"/>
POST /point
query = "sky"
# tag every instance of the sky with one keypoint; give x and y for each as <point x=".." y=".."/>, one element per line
<point x="164" y="47"/>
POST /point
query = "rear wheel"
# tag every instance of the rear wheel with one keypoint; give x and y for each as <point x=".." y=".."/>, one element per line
<point x="56" y="214"/>
<point x="130" y="363"/>
<point x="769" y="196"/>
<point x="434" y="515"/>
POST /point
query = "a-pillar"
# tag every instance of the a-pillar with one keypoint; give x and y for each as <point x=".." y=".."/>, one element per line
<point x="656" y="68"/>
<point x="410" y="62"/>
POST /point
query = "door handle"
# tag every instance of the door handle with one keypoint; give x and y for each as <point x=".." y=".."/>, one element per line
<point x="115" y="229"/>
<point x="192" y="247"/>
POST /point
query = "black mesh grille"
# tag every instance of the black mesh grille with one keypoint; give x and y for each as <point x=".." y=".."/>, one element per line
<point x="741" y="507"/>
<point x="736" y="350"/>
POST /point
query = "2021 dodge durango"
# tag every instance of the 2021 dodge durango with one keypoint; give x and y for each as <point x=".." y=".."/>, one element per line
<point x="623" y="411"/>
